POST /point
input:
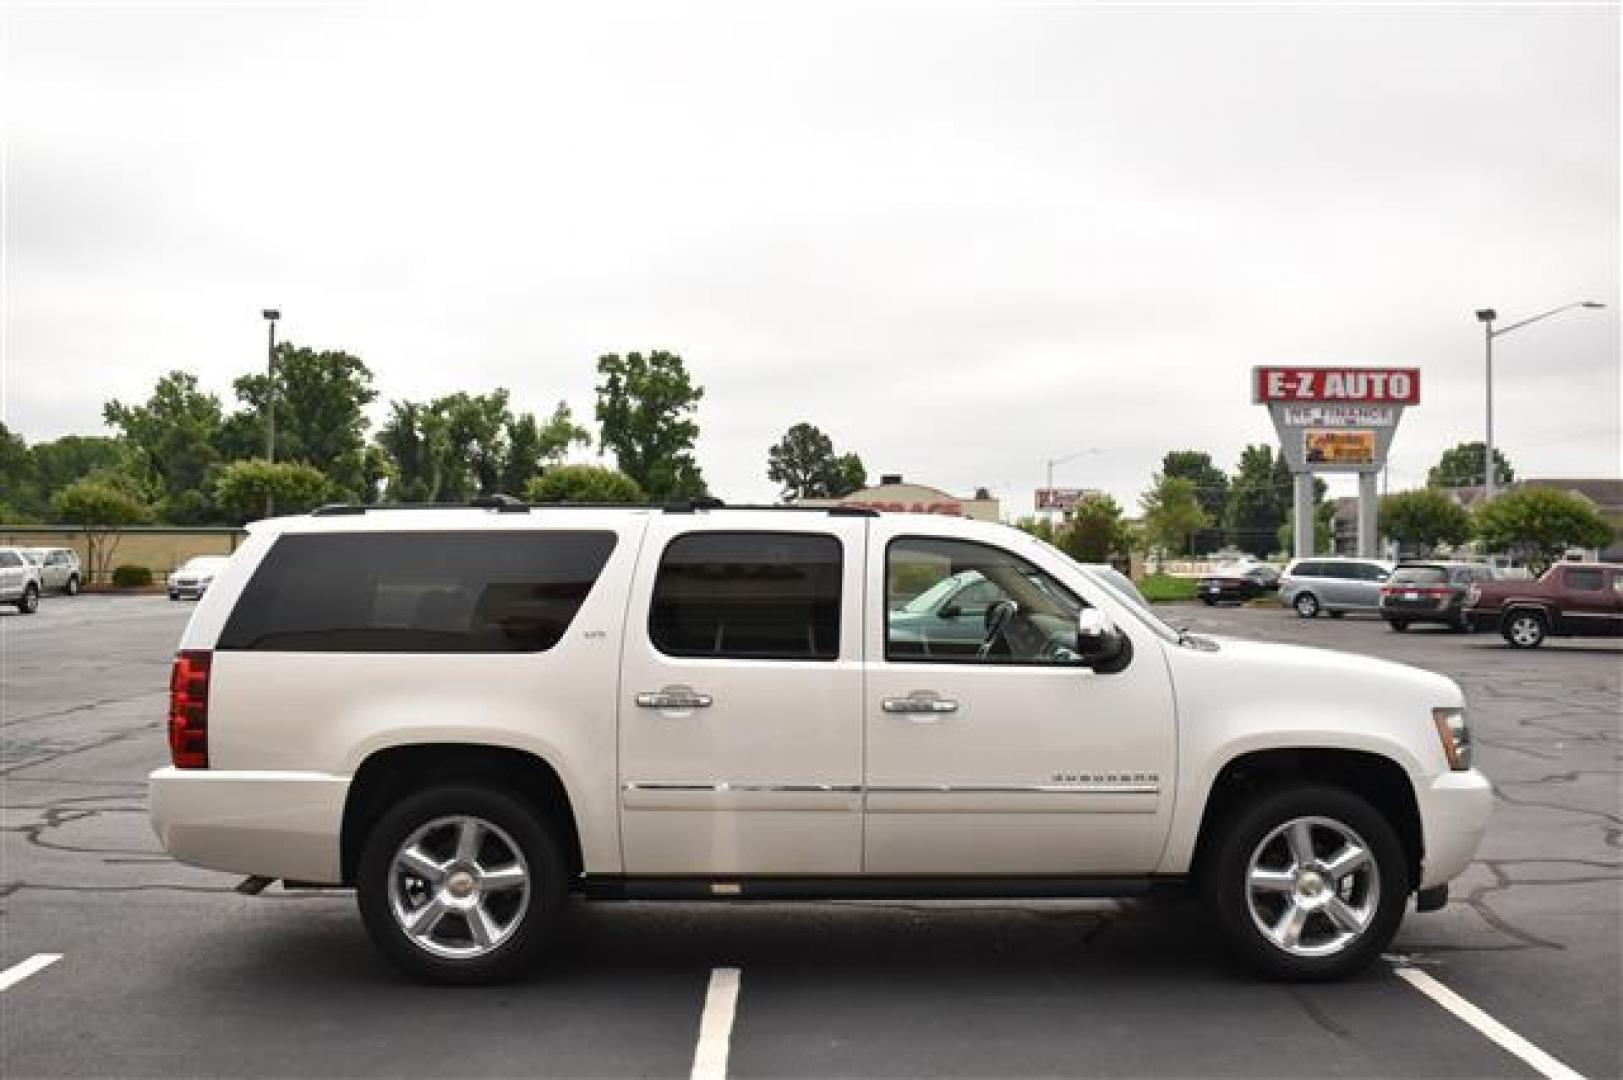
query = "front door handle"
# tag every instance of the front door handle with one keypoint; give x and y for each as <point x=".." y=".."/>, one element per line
<point x="674" y="698"/>
<point x="927" y="702"/>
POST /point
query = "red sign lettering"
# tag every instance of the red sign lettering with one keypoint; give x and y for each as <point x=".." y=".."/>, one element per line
<point x="1363" y="386"/>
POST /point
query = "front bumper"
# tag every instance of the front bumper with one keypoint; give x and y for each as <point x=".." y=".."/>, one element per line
<point x="272" y="824"/>
<point x="1454" y="811"/>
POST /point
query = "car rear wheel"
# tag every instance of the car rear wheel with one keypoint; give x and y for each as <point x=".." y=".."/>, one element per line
<point x="461" y="885"/>
<point x="72" y="587"/>
<point x="1308" y="883"/>
<point x="1400" y="625"/>
<point x="1306" y="605"/>
<point x="1525" y="629"/>
<point x="28" y="602"/>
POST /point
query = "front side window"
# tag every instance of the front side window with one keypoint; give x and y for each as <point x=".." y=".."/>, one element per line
<point x="748" y="596"/>
<point x="1585" y="580"/>
<point x="1025" y="616"/>
<point x="470" y="592"/>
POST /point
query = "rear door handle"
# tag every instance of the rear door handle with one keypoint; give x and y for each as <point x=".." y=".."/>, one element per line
<point x="674" y="698"/>
<point x="925" y="702"/>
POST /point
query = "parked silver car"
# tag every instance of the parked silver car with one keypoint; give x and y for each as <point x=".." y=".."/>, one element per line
<point x="59" y="569"/>
<point x="19" y="581"/>
<point x="195" y="576"/>
<point x="1333" y="585"/>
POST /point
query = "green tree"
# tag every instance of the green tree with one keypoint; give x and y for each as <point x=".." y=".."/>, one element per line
<point x="243" y="487"/>
<point x="320" y="420"/>
<point x="1041" y="527"/>
<point x="583" y="484"/>
<point x="1462" y="467"/>
<point x="1423" y="519"/>
<point x="1211" y="488"/>
<point x="805" y="464"/>
<point x="531" y="446"/>
<point x="59" y="462"/>
<point x="645" y="408"/>
<point x="19" y="486"/>
<point x="1259" y="500"/>
<point x="174" y="434"/>
<point x="1172" y="513"/>
<point x="414" y="441"/>
<point x="1324" y="525"/>
<point x="1095" y="531"/>
<point x="103" y="511"/>
<point x="1539" y="524"/>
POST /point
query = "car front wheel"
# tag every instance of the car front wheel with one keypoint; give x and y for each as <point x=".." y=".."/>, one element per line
<point x="1308" y="883"/>
<point x="1525" y="630"/>
<point x="461" y="885"/>
<point x="1306" y="605"/>
<point x="28" y="603"/>
<point x="1400" y="625"/>
<point x="72" y="587"/>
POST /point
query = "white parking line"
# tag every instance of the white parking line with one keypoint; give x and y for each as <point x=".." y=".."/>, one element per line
<point x="1498" y="1033"/>
<point x="716" y="1025"/>
<point x="32" y="966"/>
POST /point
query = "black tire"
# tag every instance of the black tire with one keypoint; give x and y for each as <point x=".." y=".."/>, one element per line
<point x="1524" y="629"/>
<point x="1208" y="601"/>
<point x="538" y="920"/>
<point x="1400" y="625"/>
<point x="72" y="587"/>
<point x="1225" y="887"/>
<point x="1306" y="605"/>
<point x="28" y="602"/>
<point x="175" y="596"/>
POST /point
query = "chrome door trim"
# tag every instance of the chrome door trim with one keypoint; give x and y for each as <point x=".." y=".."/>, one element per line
<point x="796" y="789"/>
<point x="1087" y="788"/>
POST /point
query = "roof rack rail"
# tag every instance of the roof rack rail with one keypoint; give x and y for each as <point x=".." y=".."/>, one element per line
<point x="506" y="504"/>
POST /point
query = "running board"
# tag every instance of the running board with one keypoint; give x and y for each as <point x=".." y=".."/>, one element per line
<point x="602" y="887"/>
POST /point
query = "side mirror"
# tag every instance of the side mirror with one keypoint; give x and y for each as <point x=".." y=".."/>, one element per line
<point x="1100" y="644"/>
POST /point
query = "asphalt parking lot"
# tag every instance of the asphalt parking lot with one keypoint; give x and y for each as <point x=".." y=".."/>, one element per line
<point x="166" y="970"/>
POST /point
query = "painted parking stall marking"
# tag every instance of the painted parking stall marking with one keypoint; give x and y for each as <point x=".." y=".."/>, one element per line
<point x="32" y="966"/>
<point x="716" y="1025"/>
<point x="1496" y="1032"/>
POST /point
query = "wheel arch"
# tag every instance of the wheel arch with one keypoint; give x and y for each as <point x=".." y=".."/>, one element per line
<point x="1380" y="780"/>
<point x="390" y="772"/>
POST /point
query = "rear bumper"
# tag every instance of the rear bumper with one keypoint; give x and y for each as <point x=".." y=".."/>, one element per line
<point x="273" y="824"/>
<point x="1454" y="811"/>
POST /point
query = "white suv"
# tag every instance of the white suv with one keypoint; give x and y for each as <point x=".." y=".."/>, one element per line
<point x="468" y="713"/>
<point x="19" y="580"/>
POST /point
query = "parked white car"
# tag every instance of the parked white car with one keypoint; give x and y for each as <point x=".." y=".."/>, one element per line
<point x="194" y="576"/>
<point x="59" y="568"/>
<point x="19" y="580"/>
<point x="469" y="713"/>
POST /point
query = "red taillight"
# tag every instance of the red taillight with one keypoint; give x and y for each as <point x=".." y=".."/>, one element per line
<point x="189" y="710"/>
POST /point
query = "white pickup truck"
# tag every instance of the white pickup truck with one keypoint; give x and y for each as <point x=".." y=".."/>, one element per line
<point x="469" y="713"/>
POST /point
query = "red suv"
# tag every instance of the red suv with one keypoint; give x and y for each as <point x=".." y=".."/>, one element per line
<point x="1570" y="600"/>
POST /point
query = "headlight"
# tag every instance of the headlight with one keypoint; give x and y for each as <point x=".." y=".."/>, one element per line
<point x="1456" y="736"/>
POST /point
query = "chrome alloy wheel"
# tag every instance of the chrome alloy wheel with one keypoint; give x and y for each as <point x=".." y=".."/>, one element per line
<point x="459" y="887"/>
<point x="1312" y="886"/>
<point x="1526" y="631"/>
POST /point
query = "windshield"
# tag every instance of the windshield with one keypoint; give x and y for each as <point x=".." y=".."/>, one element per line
<point x="34" y="557"/>
<point x="1122" y="588"/>
<point x="936" y="594"/>
<point x="1419" y="575"/>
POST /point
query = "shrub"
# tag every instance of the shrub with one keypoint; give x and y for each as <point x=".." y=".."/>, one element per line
<point x="130" y="576"/>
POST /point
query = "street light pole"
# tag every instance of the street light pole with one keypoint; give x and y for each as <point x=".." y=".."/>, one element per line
<point x="1068" y="457"/>
<point x="271" y="315"/>
<point x="1487" y="316"/>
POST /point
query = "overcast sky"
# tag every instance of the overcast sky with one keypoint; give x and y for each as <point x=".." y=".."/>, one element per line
<point x="960" y="238"/>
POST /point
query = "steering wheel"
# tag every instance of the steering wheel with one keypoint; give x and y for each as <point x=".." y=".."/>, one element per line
<point x="997" y="618"/>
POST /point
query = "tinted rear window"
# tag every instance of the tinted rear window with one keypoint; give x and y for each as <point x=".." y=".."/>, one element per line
<point x="1420" y="575"/>
<point x="751" y="596"/>
<point x="482" y="592"/>
<point x="1586" y="580"/>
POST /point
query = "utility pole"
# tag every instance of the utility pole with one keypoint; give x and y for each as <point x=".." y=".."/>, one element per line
<point x="271" y="315"/>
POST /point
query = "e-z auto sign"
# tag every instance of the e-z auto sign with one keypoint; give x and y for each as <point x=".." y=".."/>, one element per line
<point x="1362" y="386"/>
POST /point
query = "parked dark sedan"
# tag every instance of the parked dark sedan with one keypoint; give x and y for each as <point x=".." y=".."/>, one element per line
<point x="1430" y="592"/>
<point x="1239" y="583"/>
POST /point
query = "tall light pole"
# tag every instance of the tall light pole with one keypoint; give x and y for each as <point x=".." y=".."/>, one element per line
<point x="271" y="315"/>
<point x="1068" y="457"/>
<point x="1487" y="316"/>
